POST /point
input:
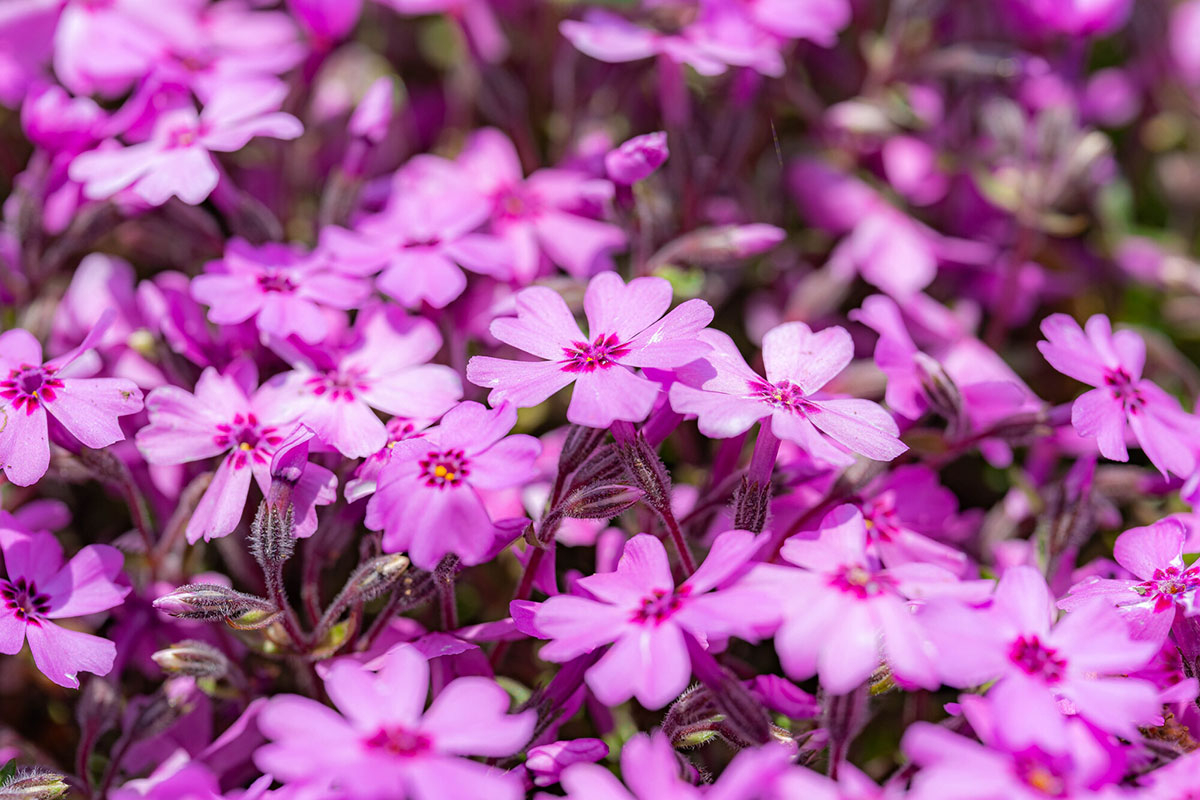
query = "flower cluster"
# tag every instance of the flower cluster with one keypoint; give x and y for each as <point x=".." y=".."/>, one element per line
<point x="699" y="399"/>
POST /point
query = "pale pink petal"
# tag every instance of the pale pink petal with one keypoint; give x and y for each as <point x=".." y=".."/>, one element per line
<point x="231" y="298"/>
<point x="1097" y="413"/>
<point x="437" y="778"/>
<point x="34" y="557"/>
<point x="349" y="425"/>
<point x="1097" y="641"/>
<point x="12" y="634"/>
<point x="649" y="663"/>
<point x="509" y="462"/>
<point x="606" y="395"/>
<point x="642" y="570"/>
<point x="543" y="326"/>
<point x="473" y="427"/>
<point x="1023" y="597"/>
<point x="909" y="653"/>
<point x="719" y="416"/>
<point x="482" y="253"/>
<point x="860" y="425"/>
<point x="577" y="243"/>
<point x="85" y="584"/>
<point x="61" y="654"/>
<point x="1117" y="705"/>
<point x="672" y="341"/>
<point x="470" y="717"/>
<point x="188" y="174"/>
<point x="19" y="347"/>
<point x="1168" y="448"/>
<point x="612" y="306"/>
<point x="810" y="360"/>
<point x="105" y="172"/>
<point x="24" y="444"/>
<point x="220" y="508"/>
<point x="181" y="428"/>
<point x="730" y="552"/>
<point x="414" y="276"/>
<point x="90" y="408"/>
<point x="421" y="392"/>
<point x="1069" y="351"/>
<point x="577" y="626"/>
<point x="523" y="383"/>
<point x="608" y="37"/>
<point x="1143" y="550"/>
<point x="850" y="651"/>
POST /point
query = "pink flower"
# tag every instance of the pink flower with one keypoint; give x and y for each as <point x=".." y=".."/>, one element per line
<point x="380" y="743"/>
<point x="1165" y="585"/>
<point x="1073" y="663"/>
<point x="1112" y="362"/>
<point x="646" y="617"/>
<point x="423" y="236"/>
<point x="729" y="397"/>
<point x="1004" y="767"/>
<point x="842" y="608"/>
<point x="39" y="588"/>
<point x="333" y="390"/>
<point x="627" y="329"/>
<point x="89" y="408"/>
<point x="547" y="762"/>
<point x="226" y="415"/>
<point x="177" y="160"/>
<point x="427" y="503"/>
<point x="285" y="291"/>
<point x="650" y="766"/>
<point x="903" y="510"/>
<point x="545" y="216"/>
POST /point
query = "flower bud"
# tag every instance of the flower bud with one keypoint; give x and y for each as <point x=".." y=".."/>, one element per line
<point x="751" y="502"/>
<point x="940" y="390"/>
<point x="637" y="159"/>
<point x="580" y="443"/>
<point x="272" y="534"/>
<point x="647" y="471"/>
<point x="34" y="784"/>
<point x="375" y="577"/>
<point x="719" y="244"/>
<point x="211" y="601"/>
<point x="192" y="658"/>
<point x="546" y="762"/>
<point x="603" y="466"/>
<point x="371" y="118"/>
<point x="601" y="502"/>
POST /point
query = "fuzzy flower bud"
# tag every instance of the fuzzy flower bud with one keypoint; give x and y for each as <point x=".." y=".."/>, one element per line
<point x="192" y="658"/>
<point x="34" y="784"/>
<point x="211" y="601"/>
<point x="601" y="502"/>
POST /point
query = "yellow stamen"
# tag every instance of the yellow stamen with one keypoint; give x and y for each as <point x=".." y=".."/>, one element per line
<point x="245" y="446"/>
<point x="440" y="471"/>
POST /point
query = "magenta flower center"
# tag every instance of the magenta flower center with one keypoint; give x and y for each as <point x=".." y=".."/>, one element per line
<point x="600" y="353"/>
<point x="862" y="582"/>
<point x="785" y="394"/>
<point x="1124" y="389"/>
<point x="339" y="385"/>
<point x="24" y="600"/>
<point x="1036" y="771"/>
<point x="28" y="387"/>
<point x="445" y="468"/>
<point x="398" y="741"/>
<point x="249" y="440"/>
<point x="515" y="203"/>
<point x="881" y="519"/>
<point x="183" y="136"/>
<point x="1168" y="586"/>
<point x="1038" y="660"/>
<point x="661" y="605"/>
<point x="275" y="281"/>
